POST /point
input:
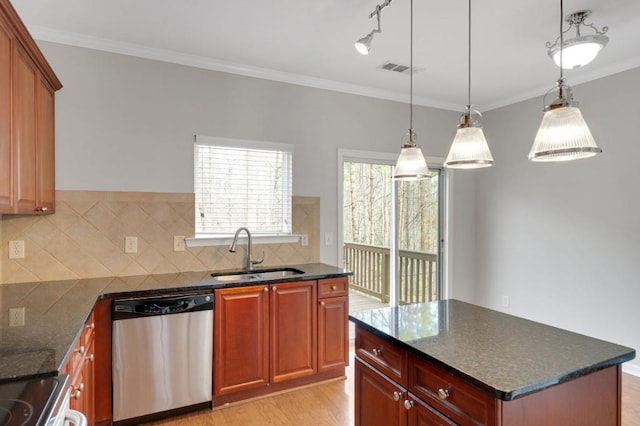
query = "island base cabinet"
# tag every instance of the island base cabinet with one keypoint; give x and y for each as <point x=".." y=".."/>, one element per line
<point x="591" y="400"/>
<point x="378" y="399"/>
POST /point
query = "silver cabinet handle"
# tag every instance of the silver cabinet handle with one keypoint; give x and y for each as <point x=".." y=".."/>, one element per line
<point x="443" y="393"/>
<point x="397" y="395"/>
<point x="334" y="288"/>
<point x="408" y="404"/>
<point x="42" y="209"/>
<point x="377" y="351"/>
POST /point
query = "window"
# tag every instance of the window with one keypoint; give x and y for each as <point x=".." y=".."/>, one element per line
<point x="242" y="183"/>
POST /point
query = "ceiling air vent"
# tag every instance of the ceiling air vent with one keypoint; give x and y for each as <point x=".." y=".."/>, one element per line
<point x="399" y="68"/>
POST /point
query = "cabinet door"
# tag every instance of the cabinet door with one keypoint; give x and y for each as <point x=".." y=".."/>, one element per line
<point x="333" y="333"/>
<point x="45" y="149"/>
<point x="293" y="330"/>
<point x="88" y="377"/>
<point x="24" y="130"/>
<point x="378" y="399"/>
<point x="6" y="168"/>
<point x="241" y="343"/>
<point x="421" y="414"/>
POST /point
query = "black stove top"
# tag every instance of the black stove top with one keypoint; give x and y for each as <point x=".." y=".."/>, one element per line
<point x="29" y="402"/>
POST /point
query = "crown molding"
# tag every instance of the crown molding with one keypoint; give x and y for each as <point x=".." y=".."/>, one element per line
<point x="170" y="56"/>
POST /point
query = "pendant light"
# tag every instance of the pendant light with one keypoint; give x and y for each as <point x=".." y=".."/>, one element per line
<point x="563" y="134"/>
<point x="469" y="149"/>
<point x="411" y="164"/>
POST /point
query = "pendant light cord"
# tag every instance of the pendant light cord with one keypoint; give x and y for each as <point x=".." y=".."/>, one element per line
<point x="411" y="76"/>
<point x="561" y="41"/>
<point x="469" y="62"/>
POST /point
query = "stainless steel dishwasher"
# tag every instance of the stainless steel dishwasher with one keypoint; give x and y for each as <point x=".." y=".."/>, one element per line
<point x="161" y="356"/>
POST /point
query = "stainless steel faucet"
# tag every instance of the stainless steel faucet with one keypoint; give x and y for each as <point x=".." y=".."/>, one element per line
<point x="247" y="261"/>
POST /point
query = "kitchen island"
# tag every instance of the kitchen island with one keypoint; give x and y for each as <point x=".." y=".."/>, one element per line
<point x="450" y="362"/>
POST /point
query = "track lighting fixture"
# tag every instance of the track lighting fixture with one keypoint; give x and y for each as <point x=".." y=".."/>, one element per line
<point x="363" y="46"/>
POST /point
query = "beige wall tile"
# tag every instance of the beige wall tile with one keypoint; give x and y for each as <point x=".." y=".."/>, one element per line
<point x="85" y="238"/>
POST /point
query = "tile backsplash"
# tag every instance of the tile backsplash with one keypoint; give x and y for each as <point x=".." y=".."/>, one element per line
<point x="85" y="238"/>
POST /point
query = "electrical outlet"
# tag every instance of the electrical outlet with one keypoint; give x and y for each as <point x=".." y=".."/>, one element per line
<point x="16" y="249"/>
<point x="328" y="238"/>
<point x="178" y="243"/>
<point x="130" y="244"/>
<point x="16" y="317"/>
<point x="505" y="301"/>
<point x="304" y="239"/>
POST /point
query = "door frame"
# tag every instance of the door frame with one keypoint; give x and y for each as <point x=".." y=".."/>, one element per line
<point x="445" y="188"/>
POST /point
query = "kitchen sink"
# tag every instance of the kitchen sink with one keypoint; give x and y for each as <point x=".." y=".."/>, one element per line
<point x="257" y="274"/>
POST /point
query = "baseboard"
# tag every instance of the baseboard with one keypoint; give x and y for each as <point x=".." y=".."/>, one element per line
<point x="631" y="368"/>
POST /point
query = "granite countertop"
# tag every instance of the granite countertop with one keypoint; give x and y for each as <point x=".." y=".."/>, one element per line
<point x="55" y="312"/>
<point x="506" y="356"/>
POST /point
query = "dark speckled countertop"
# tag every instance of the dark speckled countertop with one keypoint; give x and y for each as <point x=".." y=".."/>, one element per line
<point x="55" y="312"/>
<point x="504" y="355"/>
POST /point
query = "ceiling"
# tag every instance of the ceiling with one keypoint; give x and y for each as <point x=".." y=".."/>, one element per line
<point x="312" y="42"/>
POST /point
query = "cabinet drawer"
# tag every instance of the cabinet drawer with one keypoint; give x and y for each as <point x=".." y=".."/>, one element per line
<point x="333" y="287"/>
<point x="459" y="400"/>
<point x="382" y="354"/>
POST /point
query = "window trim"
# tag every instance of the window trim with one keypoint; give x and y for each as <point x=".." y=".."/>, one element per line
<point x="211" y="239"/>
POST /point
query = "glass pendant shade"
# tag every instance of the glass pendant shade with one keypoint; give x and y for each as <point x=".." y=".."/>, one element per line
<point x="469" y="150"/>
<point x="563" y="135"/>
<point x="411" y="164"/>
<point x="579" y="51"/>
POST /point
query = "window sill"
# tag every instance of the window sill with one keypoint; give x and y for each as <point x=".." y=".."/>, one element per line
<point x="226" y="240"/>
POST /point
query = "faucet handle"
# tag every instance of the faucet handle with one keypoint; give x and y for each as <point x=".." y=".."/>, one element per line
<point x="259" y="260"/>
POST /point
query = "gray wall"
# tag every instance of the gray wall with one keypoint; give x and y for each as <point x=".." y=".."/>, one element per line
<point x="127" y="124"/>
<point x="563" y="240"/>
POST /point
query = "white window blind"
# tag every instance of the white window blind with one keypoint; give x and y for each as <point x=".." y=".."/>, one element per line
<point x="242" y="183"/>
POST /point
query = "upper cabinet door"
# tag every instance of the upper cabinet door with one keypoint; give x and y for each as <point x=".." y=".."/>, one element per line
<point x="6" y="168"/>
<point x="45" y="149"/>
<point x="24" y="130"/>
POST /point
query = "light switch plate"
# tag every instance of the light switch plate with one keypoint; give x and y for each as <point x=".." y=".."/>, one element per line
<point x="178" y="243"/>
<point x="304" y="240"/>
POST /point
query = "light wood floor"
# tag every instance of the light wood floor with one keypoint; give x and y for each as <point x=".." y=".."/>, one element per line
<point x="331" y="404"/>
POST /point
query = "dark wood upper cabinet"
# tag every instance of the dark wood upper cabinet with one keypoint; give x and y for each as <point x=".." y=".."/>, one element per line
<point x="27" y="120"/>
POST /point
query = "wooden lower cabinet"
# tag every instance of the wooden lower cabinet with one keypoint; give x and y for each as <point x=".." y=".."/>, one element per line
<point x="270" y="337"/>
<point x="387" y="393"/>
<point x="81" y="370"/>
<point x="382" y="402"/>
<point x="241" y="339"/>
<point x="293" y="333"/>
<point x="333" y="333"/>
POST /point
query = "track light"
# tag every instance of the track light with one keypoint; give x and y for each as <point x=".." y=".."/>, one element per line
<point x="363" y="46"/>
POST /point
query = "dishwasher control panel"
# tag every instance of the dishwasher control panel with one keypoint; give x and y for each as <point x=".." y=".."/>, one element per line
<point x="138" y="307"/>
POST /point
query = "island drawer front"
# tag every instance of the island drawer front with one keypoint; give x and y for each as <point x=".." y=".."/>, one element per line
<point x="333" y="287"/>
<point x="457" y="399"/>
<point x="383" y="355"/>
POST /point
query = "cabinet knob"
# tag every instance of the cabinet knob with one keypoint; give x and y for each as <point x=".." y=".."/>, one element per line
<point x="90" y="357"/>
<point x="322" y="303"/>
<point x="408" y="404"/>
<point x="443" y="393"/>
<point x="334" y="287"/>
<point x="274" y="288"/>
<point x="92" y="325"/>
<point x="397" y="395"/>
<point x="80" y="349"/>
<point x="377" y="351"/>
<point x="266" y="289"/>
<point x="42" y="209"/>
